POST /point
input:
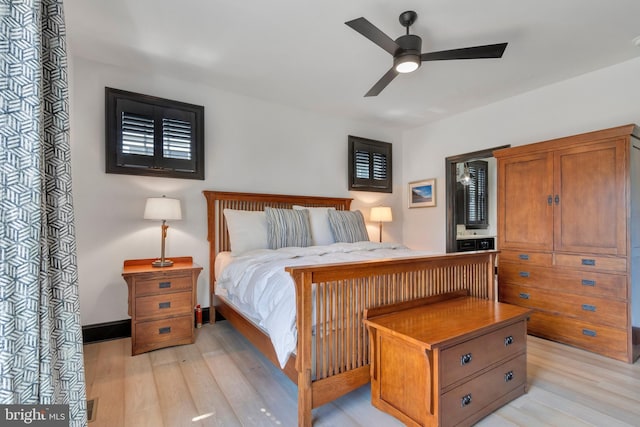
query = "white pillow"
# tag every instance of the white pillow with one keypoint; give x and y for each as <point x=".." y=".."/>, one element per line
<point x="320" y="227"/>
<point x="247" y="230"/>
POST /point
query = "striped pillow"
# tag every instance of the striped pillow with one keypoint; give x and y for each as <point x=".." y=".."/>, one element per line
<point x="287" y="227"/>
<point x="348" y="226"/>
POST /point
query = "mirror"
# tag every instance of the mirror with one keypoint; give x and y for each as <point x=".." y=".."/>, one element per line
<point x="464" y="215"/>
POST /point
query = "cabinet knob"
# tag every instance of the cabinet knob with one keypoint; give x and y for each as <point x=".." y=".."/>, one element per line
<point x="465" y="400"/>
<point x="465" y="359"/>
<point x="508" y="340"/>
<point x="508" y="376"/>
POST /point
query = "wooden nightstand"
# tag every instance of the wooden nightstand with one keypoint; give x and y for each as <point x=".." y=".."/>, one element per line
<point x="161" y="303"/>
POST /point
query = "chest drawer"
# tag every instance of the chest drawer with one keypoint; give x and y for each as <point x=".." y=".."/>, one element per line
<point x="581" y="282"/>
<point x="471" y="356"/>
<point x="163" y="305"/>
<point x="602" y="339"/>
<point x="167" y="283"/>
<point x="543" y="259"/>
<point x="466" y="400"/>
<point x="588" y="308"/>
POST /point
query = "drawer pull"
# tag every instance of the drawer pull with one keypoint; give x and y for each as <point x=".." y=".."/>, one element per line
<point x="465" y="359"/>
<point x="466" y="400"/>
<point x="164" y="304"/>
<point x="508" y="376"/>
<point x="164" y="285"/>
<point x="165" y="330"/>
<point x="524" y="295"/>
<point x="587" y="261"/>
<point x="586" y="282"/>
<point x="549" y="200"/>
<point x="524" y="274"/>
<point x="524" y="257"/>
<point x="589" y="332"/>
<point x="588" y="307"/>
<point x="508" y="340"/>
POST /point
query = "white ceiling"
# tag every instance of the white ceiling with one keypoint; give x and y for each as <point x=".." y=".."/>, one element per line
<point x="300" y="53"/>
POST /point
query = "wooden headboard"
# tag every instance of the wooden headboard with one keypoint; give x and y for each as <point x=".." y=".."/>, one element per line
<point x="217" y="201"/>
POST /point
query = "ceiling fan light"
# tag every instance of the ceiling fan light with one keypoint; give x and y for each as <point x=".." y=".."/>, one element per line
<point x="406" y="65"/>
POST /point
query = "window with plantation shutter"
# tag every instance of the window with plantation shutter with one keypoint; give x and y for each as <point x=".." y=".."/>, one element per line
<point x="153" y="136"/>
<point x="475" y="196"/>
<point x="369" y="165"/>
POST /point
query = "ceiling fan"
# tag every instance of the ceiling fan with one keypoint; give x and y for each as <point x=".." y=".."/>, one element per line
<point x="406" y="49"/>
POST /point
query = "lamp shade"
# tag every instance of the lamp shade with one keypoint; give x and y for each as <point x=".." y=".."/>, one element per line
<point x="381" y="214"/>
<point x="162" y="208"/>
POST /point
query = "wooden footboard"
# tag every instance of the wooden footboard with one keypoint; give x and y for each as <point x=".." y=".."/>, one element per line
<point x="332" y="356"/>
<point x="333" y="346"/>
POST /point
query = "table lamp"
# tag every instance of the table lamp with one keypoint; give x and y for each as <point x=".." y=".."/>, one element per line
<point x="381" y="214"/>
<point x="162" y="208"/>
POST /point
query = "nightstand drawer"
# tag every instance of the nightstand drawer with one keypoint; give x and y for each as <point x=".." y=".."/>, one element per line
<point x="168" y="283"/>
<point x="167" y="305"/>
<point x="157" y="333"/>
<point x="464" y="359"/>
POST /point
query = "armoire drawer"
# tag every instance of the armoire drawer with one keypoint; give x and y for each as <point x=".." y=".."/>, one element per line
<point x="591" y="263"/>
<point x="591" y="309"/>
<point x="544" y="259"/>
<point x="601" y="339"/>
<point x="580" y="282"/>
<point x="466" y="358"/>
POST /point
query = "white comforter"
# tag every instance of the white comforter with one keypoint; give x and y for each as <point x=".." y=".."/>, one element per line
<point x="257" y="283"/>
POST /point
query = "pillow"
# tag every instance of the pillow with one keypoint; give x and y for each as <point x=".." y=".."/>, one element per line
<point x="320" y="228"/>
<point x="348" y="226"/>
<point x="287" y="227"/>
<point x="247" y="230"/>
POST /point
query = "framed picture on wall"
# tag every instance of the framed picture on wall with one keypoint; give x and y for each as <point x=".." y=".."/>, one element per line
<point x="422" y="194"/>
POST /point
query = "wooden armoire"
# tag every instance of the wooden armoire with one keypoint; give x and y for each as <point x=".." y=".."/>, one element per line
<point x="568" y="232"/>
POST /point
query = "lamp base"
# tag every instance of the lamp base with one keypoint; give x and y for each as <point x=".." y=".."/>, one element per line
<point x="161" y="263"/>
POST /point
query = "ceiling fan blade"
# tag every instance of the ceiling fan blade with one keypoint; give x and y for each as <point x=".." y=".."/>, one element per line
<point x="476" y="52"/>
<point x="372" y="32"/>
<point x="382" y="83"/>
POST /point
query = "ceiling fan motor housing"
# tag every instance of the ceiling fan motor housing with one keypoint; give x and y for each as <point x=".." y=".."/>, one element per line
<point x="410" y="49"/>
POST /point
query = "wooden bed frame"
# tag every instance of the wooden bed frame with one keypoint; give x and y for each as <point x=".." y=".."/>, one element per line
<point x="332" y="359"/>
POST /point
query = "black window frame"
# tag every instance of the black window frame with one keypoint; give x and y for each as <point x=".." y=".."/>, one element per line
<point x="161" y="114"/>
<point x="376" y="158"/>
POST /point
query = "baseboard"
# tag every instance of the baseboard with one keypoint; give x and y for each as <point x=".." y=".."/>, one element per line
<point x="118" y="329"/>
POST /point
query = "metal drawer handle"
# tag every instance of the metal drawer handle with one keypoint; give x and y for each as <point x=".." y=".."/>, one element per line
<point x="524" y="295"/>
<point x="589" y="332"/>
<point x="588" y="307"/>
<point x="508" y="340"/>
<point x="508" y="376"/>
<point x="524" y="274"/>
<point x="165" y="330"/>
<point x="164" y="285"/>
<point x="465" y="359"/>
<point x="586" y="282"/>
<point x="466" y="400"/>
<point x="524" y="257"/>
<point x="586" y="261"/>
<point x="164" y="304"/>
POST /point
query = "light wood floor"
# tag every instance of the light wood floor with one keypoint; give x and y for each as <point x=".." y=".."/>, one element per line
<point x="222" y="380"/>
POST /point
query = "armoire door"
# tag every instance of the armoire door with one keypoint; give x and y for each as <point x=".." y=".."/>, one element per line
<point x="590" y="199"/>
<point x="525" y="202"/>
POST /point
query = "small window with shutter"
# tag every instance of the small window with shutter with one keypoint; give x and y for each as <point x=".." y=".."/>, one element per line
<point x="369" y="165"/>
<point x="153" y="136"/>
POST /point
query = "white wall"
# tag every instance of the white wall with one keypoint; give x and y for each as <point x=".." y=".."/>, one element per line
<point x="598" y="100"/>
<point x="250" y="146"/>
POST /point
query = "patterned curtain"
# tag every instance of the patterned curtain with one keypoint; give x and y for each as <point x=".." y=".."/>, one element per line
<point x="41" y="360"/>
